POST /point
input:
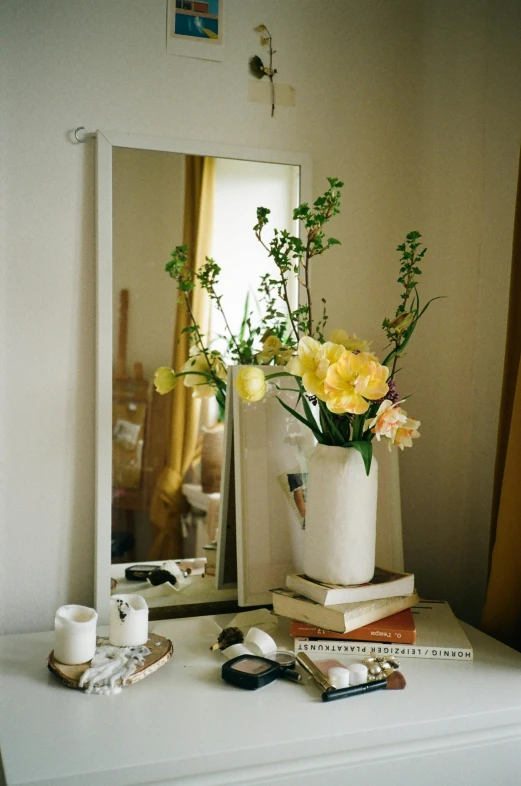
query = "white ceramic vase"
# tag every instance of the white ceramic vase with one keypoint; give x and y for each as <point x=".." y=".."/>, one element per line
<point x="340" y="534"/>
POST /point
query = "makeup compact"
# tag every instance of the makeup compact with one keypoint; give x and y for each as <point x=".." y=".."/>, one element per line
<point x="252" y="672"/>
<point x="139" y="572"/>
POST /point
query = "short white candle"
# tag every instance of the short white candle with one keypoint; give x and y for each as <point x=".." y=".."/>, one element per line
<point x="128" y="624"/>
<point x="74" y="634"/>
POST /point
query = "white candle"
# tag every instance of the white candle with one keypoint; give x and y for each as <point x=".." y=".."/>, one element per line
<point x="128" y="624"/>
<point x="74" y="634"/>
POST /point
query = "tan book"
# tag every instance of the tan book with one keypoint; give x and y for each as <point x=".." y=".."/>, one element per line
<point x="384" y="584"/>
<point x="341" y="617"/>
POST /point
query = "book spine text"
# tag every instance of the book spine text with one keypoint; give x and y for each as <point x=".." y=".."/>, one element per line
<point x="352" y="648"/>
<point x="299" y="630"/>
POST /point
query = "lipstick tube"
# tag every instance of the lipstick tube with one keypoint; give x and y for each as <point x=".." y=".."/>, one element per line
<point x="307" y="664"/>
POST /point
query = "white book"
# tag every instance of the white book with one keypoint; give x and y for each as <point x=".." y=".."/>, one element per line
<point x="439" y="634"/>
<point x="384" y="584"/>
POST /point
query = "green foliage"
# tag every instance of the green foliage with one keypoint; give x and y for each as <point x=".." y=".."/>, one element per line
<point x="293" y="254"/>
<point x="400" y="329"/>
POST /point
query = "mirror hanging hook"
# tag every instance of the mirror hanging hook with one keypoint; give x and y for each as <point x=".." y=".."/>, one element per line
<point x="86" y="137"/>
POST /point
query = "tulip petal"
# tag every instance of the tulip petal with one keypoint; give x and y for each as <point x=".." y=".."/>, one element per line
<point x="165" y="380"/>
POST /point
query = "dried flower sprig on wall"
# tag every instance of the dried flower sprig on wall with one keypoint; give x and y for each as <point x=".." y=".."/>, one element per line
<point x="257" y="67"/>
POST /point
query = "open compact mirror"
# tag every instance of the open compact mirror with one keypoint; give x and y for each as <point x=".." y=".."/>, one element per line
<point x="158" y="501"/>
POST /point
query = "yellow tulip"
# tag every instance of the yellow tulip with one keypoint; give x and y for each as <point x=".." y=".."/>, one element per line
<point x="196" y="371"/>
<point x="251" y="383"/>
<point x="199" y="368"/>
<point x="312" y="363"/>
<point x="270" y="348"/>
<point x="165" y="379"/>
<point x="352" y="380"/>
<point x="348" y="341"/>
<point x="283" y="355"/>
<point x="203" y="391"/>
<point x="271" y="344"/>
<point x="218" y="367"/>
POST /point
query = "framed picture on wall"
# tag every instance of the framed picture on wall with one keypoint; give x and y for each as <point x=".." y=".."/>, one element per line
<point x="195" y="28"/>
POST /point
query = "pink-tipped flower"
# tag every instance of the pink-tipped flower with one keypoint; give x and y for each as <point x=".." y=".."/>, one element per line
<point x="406" y="433"/>
<point x="389" y="418"/>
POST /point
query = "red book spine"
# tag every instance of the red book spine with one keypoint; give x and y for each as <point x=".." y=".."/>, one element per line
<point x="397" y="628"/>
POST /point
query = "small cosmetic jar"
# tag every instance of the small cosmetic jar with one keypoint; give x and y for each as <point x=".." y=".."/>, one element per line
<point x="358" y="673"/>
<point x="128" y="623"/>
<point x="75" y="634"/>
<point x="259" y="642"/>
<point x="339" y="677"/>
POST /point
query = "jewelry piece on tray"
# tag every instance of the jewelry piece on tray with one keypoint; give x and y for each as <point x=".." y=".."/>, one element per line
<point x="379" y="667"/>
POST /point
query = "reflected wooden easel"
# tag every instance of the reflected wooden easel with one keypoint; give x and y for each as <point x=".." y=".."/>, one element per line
<point x="140" y="418"/>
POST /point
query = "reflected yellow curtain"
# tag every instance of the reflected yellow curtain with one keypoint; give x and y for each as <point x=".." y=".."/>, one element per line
<point x="502" y="612"/>
<point x="168" y="502"/>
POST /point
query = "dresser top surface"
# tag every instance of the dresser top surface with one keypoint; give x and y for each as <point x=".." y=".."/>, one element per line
<point x="184" y="721"/>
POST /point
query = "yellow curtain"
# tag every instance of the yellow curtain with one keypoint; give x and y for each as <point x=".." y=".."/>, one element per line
<point x="502" y="612"/>
<point x="168" y="502"/>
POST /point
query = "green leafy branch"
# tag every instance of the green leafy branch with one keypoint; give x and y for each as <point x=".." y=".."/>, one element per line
<point x="400" y="329"/>
<point x="179" y="269"/>
<point x="293" y="255"/>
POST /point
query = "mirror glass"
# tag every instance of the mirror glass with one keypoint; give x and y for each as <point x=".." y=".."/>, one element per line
<point x="143" y="187"/>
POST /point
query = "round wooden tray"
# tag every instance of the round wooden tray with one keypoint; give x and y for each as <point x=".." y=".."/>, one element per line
<point x="161" y="650"/>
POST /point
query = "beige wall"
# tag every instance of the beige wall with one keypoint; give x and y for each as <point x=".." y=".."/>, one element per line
<point x="148" y="196"/>
<point x="415" y="105"/>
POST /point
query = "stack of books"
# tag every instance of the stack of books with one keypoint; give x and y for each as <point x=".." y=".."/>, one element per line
<point x="384" y="616"/>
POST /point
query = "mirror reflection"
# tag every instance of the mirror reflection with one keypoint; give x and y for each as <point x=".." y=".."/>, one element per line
<point x="167" y="450"/>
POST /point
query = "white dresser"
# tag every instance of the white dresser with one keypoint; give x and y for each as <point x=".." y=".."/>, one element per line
<point x="456" y="724"/>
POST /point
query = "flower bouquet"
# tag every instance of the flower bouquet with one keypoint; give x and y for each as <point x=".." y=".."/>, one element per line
<point x="272" y="338"/>
<point x="347" y="397"/>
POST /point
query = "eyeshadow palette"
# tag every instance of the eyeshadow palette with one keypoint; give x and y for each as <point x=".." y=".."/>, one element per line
<point x="250" y="672"/>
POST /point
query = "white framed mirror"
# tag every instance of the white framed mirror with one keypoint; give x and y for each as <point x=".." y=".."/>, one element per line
<point x="135" y="315"/>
